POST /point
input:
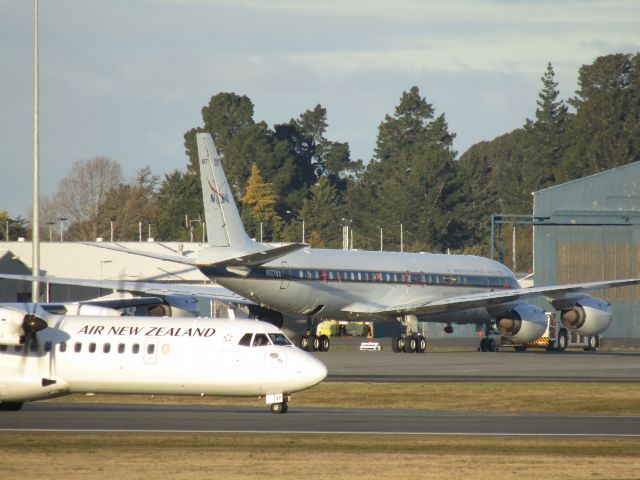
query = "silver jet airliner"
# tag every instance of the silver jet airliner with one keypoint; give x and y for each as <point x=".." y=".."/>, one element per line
<point x="317" y="284"/>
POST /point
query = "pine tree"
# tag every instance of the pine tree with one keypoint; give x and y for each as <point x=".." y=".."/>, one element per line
<point x="260" y="199"/>
<point x="322" y="215"/>
<point x="545" y="136"/>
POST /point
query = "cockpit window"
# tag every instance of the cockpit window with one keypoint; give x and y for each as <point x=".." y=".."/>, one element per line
<point x="279" y="339"/>
<point x="260" y="340"/>
<point x="245" y="341"/>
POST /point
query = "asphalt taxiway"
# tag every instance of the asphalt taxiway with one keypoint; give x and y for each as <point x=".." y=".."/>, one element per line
<point x="188" y="418"/>
<point x="506" y="365"/>
<point x="376" y="366"/>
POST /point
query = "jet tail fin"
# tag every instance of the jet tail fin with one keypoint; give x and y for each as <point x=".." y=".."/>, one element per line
<point x="224" y="226"/>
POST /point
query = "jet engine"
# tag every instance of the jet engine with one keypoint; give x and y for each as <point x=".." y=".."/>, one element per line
<point x="588" y="316"/>
<point x="523" y="323"/>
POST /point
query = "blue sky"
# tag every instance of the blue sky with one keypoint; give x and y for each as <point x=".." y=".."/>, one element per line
<point x="126" y="79"/>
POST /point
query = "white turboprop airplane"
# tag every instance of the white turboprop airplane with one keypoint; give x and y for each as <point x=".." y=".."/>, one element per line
<point x="43" y="355"/>
<point x="319" y="284"/>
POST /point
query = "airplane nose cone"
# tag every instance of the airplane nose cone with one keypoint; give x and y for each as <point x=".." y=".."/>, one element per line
<point x="310" y="371"/>
<point x="317" y="371"/>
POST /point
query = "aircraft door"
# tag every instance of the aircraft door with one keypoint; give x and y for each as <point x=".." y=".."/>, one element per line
<point x="150" y="351"/>
<point x="284" y="284"/>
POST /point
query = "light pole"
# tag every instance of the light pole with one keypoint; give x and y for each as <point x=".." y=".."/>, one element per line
<point x="191" y="222"/>
<point x="296" y="216"/>
<point x="260" y="231"/>
<point x="6" y="236"/>
<point x="35" y="236"/>
<point x="381" y="239"/>
<point x="51" y="224"/>
<point x="111" y="222"/>
<point x="149" y="232"/>
<point x="62" y="220"/>
<point x="401" y="238"/>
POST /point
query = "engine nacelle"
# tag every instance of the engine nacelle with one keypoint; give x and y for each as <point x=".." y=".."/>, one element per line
<point x="589" y="316"/>
<point x="523" y="323"/>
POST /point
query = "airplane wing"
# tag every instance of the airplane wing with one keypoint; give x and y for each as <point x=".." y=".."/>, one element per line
<point x="211" y="292"/>
<point x="491" y="298"/>
<point x="142" y="253"/>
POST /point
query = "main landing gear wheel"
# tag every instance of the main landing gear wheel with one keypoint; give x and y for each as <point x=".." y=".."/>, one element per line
<point x="592" y="344"/>
<point x="414" y="343"/>
<point x="397" y="344"/>
<point x="324" y="343"/>
<point x="410" y="344"/>
<point x="562" y="341"/>
<point x="11" y="406"/>
<point x="279" y="407"/>
<point x="488" y="345"/>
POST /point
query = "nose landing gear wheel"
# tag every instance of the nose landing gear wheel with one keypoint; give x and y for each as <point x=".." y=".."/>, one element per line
<point x="279" y="407"/>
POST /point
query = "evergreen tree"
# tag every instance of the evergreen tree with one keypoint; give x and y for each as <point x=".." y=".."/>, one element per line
<point x="179" y="198"/>
<point x="412" y="181"/>
<point x="322" y="215"/>
<point x="605" y="131"/>
<point x="259" y="203"/>
<point x="545" y="136"/>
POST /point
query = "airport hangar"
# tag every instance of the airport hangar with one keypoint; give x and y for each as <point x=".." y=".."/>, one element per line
<point x="584" y="230"/>
<point x="589" y="229"/>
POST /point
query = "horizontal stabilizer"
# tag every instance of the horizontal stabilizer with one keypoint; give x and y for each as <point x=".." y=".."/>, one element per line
<point x="258" y="258"/>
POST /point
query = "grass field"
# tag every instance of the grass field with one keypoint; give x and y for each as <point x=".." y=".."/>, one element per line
<point x="265" y="456"/>
<point x="120" y="455"/>
<point x="508" y="397"/>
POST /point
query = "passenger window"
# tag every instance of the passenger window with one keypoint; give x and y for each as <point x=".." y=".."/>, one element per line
<point x="121" y="348"/>
<point x="135" y="348"/>
<point x="63" y="347"/>
<point x="92" y="347"/>
<point x="245" y="341"/>
<point x="3" y="348"/>
<point x="18" y="348"/>
<point x="106" y="348"/>
<point x="33" y="347"/>
<point x="77" y="347"/>
<point x="47" y="346"/>
<point x="260" y="340"/>
<point x="151" y="348"/>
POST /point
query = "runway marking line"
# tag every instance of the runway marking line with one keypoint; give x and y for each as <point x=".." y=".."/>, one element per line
<point x="316" y="432"/>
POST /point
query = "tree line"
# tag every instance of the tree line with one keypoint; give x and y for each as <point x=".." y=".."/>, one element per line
<point x="292" y="173"/>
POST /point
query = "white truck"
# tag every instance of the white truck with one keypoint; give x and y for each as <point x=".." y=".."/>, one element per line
<point x="556" y="338"/>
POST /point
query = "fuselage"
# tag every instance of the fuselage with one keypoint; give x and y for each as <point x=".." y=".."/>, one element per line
<point x="335" y="283"/>
<point x="143" y="355"/>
